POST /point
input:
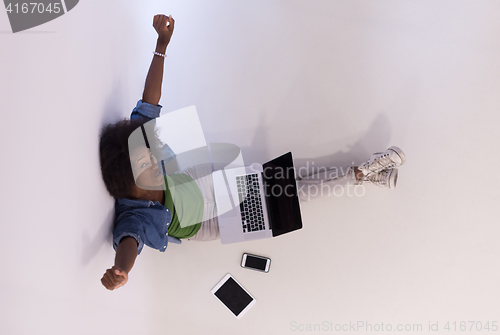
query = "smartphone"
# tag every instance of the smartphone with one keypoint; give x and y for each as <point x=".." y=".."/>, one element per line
<point x="255" y="262"/>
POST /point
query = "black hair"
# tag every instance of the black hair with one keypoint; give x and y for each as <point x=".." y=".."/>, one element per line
<point x="114" y="155"/>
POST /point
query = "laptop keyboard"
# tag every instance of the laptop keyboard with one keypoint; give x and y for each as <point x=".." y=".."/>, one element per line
<point x="252" y="216"/>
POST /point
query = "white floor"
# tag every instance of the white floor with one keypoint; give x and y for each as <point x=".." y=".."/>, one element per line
<point x="332" y="81"/>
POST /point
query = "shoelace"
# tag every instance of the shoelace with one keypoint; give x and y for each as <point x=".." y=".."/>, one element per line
<point x="383" y="161"/>
<point x="376" y="178"/>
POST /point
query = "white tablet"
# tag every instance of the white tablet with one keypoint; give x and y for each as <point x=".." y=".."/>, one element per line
<point x="233" y="296"/>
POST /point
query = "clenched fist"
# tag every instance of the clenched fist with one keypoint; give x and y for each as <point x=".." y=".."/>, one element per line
<point x="114" y="278"/>
<point x="164" y="32"/>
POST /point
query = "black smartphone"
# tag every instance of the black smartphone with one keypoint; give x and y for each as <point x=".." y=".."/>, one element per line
<point x="255" y="262"/>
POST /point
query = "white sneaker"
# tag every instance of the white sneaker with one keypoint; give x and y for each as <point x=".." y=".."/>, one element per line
<point x="391" y="158"/>
<point x="386" y="178"/>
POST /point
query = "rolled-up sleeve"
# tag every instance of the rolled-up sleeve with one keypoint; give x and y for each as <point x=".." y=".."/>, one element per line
<point x="129" y="225"/>
<point x="146" y="111"/>
<point x="137" y="237"/>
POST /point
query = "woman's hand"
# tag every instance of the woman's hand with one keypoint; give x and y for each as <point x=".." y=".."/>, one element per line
<point x="114" y="278"/>
<point x="164" y="32"/>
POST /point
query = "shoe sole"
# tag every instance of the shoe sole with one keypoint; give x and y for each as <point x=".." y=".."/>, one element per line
<point x="393" y="178"/>
<point x="400" y="153"/>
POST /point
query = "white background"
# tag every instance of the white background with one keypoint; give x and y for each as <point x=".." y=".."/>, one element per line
<point x="332" y="81"/>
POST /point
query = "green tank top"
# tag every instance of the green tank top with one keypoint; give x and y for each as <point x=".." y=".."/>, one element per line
<point x="185" y="201"/>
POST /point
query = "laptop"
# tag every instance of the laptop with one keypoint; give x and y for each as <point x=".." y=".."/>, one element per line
<point x="258" y="201"/>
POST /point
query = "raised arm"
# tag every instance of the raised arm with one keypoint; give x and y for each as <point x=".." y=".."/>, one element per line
<point x="152" y="88"/>
<point x="126" y="253"/>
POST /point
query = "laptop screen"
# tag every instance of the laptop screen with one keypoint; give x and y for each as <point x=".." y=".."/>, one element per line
<point x="280" y="190"/>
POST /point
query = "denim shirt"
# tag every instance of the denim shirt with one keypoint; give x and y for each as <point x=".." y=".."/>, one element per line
<point x="146" y="221"/>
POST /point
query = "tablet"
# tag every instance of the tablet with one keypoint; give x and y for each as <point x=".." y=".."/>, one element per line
<point x="233" y="296"/>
